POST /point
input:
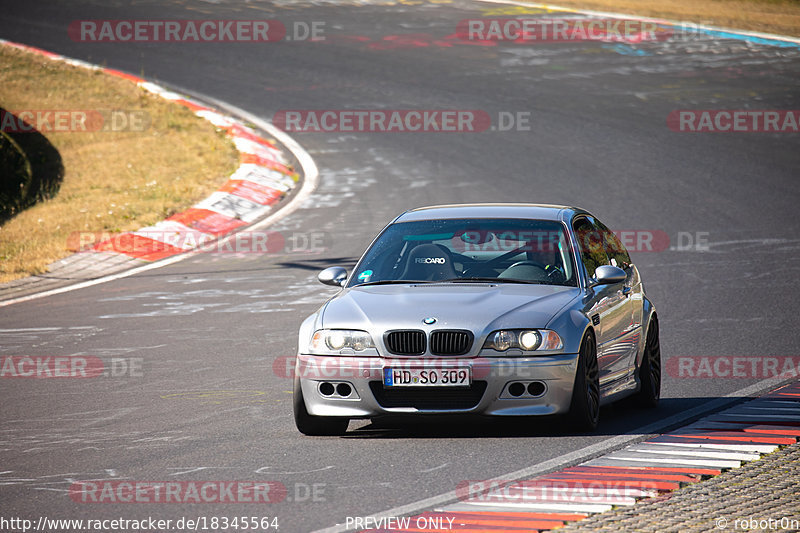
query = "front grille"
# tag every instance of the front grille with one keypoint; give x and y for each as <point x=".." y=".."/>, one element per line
<point x="406" y="342"/>
<point x="429" y="398"/>
<point x="456" y="342"/>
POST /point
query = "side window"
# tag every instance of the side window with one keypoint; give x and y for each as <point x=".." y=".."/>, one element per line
<point x="590" y="244"/>
<point x="615" y="250"/>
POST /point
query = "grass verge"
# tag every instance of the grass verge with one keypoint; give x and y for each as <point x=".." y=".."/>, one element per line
<point x="113" y="181"/>
<point x="781" y="17"/>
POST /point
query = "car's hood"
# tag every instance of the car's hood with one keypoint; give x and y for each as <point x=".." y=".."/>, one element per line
<point x="470" y="306"/>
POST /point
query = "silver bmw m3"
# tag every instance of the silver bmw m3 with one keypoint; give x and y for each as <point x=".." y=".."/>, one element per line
<point x="482" y="309"/>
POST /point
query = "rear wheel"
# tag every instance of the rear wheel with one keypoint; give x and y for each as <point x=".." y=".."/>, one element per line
<point x="314" y="425"/>
<point x="650" y="370"/>
<point x="584" y="410"/>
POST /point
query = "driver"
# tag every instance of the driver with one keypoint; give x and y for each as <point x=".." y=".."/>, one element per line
<point x="547" y="255"/>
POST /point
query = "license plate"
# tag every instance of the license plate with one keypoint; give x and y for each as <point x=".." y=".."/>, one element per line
<point x="424" y="377"/>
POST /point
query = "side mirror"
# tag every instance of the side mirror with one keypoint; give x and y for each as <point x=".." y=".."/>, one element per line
<point x="334" y="276"/>
<point x="609" y="275"/>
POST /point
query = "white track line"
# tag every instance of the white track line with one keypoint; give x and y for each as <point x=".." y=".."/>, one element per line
<point x="564" y="507"/>
<point x="757" y="448"/>
<point x="694" y="452"/>
<point x="633" y="460"/>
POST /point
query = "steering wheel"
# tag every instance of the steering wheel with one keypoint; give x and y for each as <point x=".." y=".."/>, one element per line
<point x="530" y="263"/>
<point x="488" y="265"/>
<point x="553" y="272"/>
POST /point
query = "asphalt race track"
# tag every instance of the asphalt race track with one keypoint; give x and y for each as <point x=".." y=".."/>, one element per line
<point x="210" y="402"/>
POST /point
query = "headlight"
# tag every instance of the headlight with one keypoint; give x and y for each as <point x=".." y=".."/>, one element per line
<point x="529" y="340"/>
<point x="502" y="340"/>
<point x="340" y="341"/>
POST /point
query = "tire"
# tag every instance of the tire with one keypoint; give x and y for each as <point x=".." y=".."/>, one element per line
<point x="314" y="425"/>
<point x="584" y="410"/>
<point x="650" y="370"/>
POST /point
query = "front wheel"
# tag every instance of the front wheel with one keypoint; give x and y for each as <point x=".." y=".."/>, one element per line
<point x="314" y="425"/>
<point x="584" y="410"/>
<point x="650" y="370"/>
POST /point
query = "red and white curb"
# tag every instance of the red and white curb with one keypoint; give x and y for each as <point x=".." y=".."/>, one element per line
<point x="703" y="449"/>
<point x="264" y="177"/>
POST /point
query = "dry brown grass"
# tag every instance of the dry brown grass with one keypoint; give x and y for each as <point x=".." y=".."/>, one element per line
<point x="771" y="16"/>
<point x="113" y="181"/>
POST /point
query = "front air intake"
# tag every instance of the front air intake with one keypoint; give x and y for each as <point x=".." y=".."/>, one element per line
<point x="429" y="398"/>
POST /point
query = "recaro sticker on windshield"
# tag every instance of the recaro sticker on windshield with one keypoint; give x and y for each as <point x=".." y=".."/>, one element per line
<point x="364" y="276"/>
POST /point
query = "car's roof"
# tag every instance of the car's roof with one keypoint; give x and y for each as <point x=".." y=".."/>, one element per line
<point x="497" y="210"/>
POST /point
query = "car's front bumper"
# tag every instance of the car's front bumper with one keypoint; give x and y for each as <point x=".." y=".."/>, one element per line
<point x="367" y="397"/>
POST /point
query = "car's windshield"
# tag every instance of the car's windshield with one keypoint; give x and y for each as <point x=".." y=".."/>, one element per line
<point x="458" y="250"/>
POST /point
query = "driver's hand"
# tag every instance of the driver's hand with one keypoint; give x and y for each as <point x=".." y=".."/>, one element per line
<point x="555" y="273"/>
